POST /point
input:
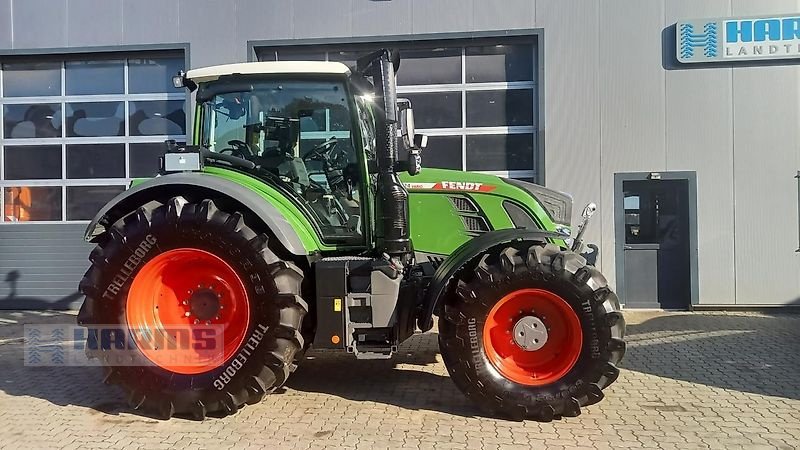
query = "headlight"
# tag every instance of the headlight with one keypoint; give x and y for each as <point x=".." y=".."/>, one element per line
<point x="557" y="204"/>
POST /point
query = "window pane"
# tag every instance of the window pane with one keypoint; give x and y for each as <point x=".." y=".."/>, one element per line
<point x="300" y="55"/>
<point x="144" y="158"/>
<point x="430" y="66"/>
<point x="95" y="77"/>
<point x="346" y="57"/>
<point x="83" y="202"/>
<point x="157" y="118"/>
<point x="31" y="79"/>
<point x="443" y="152"/>
<point x="499" y="63"/>
<point x="95" y="119"/>
<point x="96" y="161"/>
<point x="148" y="75"/>
<point x="32" y="162"/>
<point x="500" y="152"/>
<point x="28" y="203"/>
<point x="436" y="110"/>
<point x="32" y="121"/>
<point x="502" y="108"/>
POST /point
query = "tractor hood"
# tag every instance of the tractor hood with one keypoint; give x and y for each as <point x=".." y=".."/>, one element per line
<point x="450" y="207"/>
<point x="549" y="207"/>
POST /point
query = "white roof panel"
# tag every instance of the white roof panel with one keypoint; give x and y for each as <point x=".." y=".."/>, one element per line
<point x="274" y="67"/>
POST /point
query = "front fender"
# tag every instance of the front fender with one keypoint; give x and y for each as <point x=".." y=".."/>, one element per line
<point x="465" y="253"/>
<point x="294" y="236"/>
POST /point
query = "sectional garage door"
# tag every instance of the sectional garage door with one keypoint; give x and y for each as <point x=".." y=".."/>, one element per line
<point x="75" y="130"/>
<point x="477" y="100"/>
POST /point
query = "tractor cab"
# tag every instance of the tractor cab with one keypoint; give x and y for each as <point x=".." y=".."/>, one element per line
<point x="305" y="128"/>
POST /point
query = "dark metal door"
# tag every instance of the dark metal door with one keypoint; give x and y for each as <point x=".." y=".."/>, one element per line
<point x="656" y="248"/>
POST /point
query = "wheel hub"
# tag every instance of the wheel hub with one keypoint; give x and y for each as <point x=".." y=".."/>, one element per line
<point x="204" y="304"/>
<point x="530" y="333"/>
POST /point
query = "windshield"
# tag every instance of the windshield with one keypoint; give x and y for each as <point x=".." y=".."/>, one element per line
<point x="299" y="134"/>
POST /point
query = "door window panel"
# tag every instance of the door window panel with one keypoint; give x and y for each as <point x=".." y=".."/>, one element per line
<point x="95" y="119"/>
<point x="94" y="77"/>
<point x="157" y="118"/>
<point x="83" y="202"/>
<point x="499" y="63"/>
<point x="41" y="120"/>
<point x="436" y="109"/>
<point x="430" y="66"/>
<point x="501" y="108"/>
<point x="32" y="162"/>
<point x="499" y="152"/>
<point x="443" y="152"/>
<point x="31" y="203"/>
<point x="31" y="79"/>
<point x="95" y="161"/>
<point x="152" y="75"/>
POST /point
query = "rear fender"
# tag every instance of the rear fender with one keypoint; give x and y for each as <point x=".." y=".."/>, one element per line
<point x="162" y="188"/>
<point x="467" y="252"/>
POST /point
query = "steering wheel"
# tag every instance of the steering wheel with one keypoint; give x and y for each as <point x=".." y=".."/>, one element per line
<point x="239" y="149"/>
<point x="319" y="152"/>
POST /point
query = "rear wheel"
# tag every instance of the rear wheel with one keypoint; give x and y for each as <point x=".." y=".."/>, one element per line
<point x="531" y="331"/>
<point x="181" y="270"/>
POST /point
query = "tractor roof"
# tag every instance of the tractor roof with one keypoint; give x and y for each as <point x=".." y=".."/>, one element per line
<point x="276" y="67"/>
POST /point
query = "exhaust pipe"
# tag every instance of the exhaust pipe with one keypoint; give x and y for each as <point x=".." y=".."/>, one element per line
<point x="393" y="234"/>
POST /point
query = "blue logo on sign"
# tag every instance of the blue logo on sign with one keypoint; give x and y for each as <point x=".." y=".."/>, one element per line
<point x="707" y="40"/>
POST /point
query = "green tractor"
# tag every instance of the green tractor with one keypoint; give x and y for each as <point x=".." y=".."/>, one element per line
<point x="292" y="222"/>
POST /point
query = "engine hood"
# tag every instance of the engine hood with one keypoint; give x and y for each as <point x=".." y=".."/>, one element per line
<point x="549" y="206"/>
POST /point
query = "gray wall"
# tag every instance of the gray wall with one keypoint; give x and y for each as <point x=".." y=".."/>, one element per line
<point x="611" y="105"/>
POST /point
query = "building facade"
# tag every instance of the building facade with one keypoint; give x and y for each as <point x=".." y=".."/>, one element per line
<point x="692" y="166"/>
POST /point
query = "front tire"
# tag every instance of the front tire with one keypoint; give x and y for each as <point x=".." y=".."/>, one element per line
<point x="183" y="265"/>
<point x="574" y="327"/>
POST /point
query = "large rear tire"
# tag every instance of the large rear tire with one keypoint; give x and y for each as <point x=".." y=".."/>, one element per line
<point x="573" y="323"/>
<point x="183" y="264"/>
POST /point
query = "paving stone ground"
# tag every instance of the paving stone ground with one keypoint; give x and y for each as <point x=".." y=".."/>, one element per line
<point x="690" y="380"/>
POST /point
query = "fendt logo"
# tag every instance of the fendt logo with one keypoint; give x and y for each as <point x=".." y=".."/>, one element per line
<point x="690" y="40"/>
<point x="746" y="39"/>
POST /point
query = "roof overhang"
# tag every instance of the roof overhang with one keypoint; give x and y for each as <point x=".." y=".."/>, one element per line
<point x="277" y="67"/>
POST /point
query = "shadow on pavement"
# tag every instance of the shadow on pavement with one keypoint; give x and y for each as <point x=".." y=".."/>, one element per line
<point x="413" y="379"/>
<point x="753" y="352"/>
<point x="60" y="385"/>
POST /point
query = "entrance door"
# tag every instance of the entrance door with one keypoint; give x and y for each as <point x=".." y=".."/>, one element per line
<point x="655" y="243"/>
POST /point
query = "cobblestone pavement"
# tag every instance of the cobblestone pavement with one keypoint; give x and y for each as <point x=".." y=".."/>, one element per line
<point x="690" y="380"/>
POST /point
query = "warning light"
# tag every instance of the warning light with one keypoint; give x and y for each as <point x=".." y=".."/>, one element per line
<point x="335" y="339"/>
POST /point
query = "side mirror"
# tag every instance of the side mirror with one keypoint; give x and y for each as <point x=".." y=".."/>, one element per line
<point x="414" y="142"/>
<point x="406" y="119"/>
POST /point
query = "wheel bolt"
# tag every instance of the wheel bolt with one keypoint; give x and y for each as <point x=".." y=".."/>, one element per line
<point x="185" y="302"/>
<point x="187" y="314"/>
<point x="208" y="322"/>
<point x="196" y="321"/>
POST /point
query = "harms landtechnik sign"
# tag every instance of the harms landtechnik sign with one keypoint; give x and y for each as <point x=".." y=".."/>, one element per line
<point x="732" y="39"/>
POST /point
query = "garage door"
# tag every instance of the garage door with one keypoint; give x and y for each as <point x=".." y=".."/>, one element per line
<point x="75" y="130"/>
<point x="475" y="99"/>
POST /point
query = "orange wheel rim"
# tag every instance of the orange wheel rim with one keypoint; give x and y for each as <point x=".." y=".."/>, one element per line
<point x="190" y="290"/>
<point x="557" y="348"/>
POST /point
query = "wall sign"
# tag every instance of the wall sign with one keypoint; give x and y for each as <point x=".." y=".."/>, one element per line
<point x="732" y="39"/>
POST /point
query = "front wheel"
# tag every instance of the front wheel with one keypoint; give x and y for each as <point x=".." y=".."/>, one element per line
<point x="531" y="331"/>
